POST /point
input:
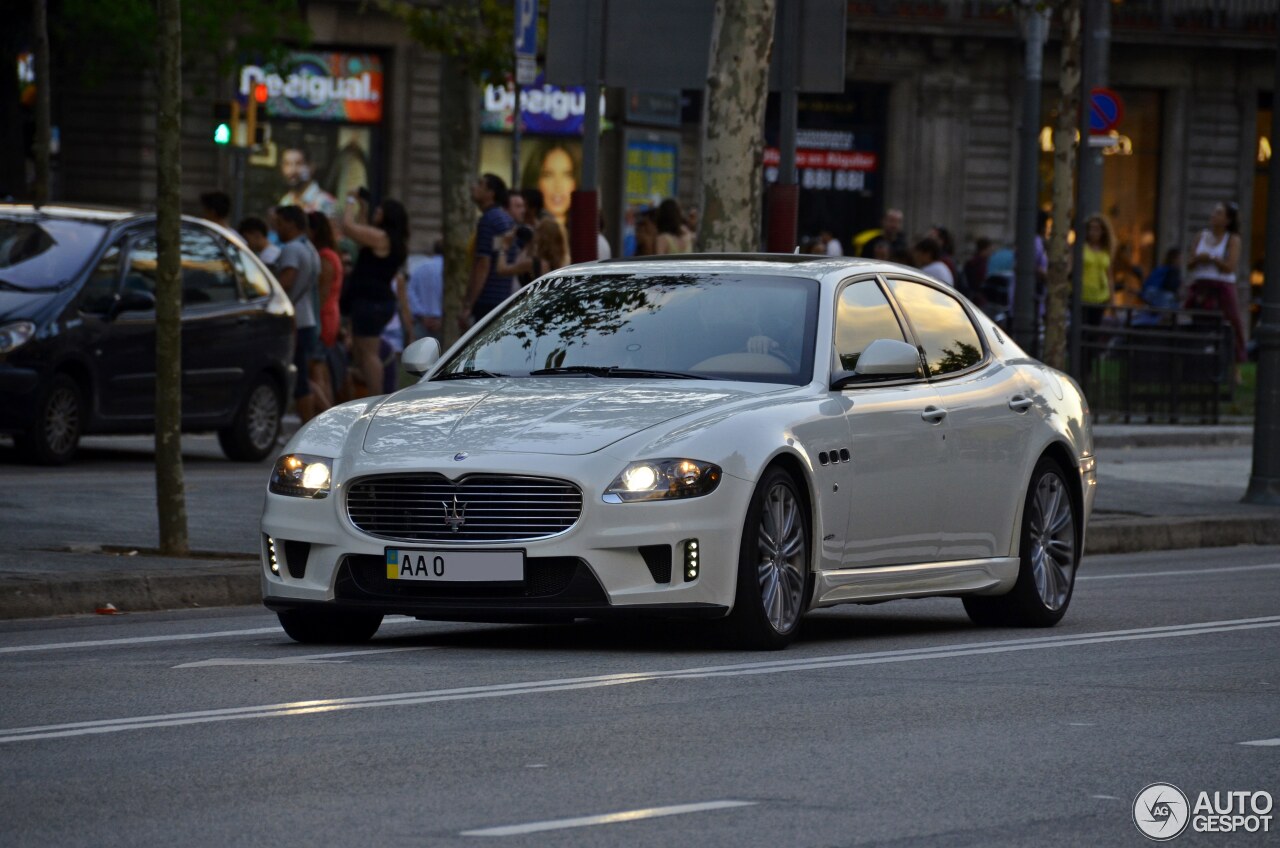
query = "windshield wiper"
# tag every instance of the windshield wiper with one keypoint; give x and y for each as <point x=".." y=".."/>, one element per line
<point x="613" y="371"/>
<point x="468" y="374"/>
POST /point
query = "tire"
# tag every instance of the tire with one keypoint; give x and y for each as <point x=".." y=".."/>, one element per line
<point x="329" y="627"/>
<point x="1049" y="557"/>
<point x="773" y="567"/>
<point x="256" y="428"/>
<point x="54" y="435"/>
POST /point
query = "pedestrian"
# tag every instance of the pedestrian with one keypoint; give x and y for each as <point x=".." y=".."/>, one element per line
<point x="215" y="206"/>
<point x="396" y="336"/>
<point x="890" y="231"/>
<point x="1161" y="287"/>
<point x="368" y="299"/>
<point x="548" y="251"/>
<point x="516" y="206"/>
<point x="329" y="290"/>
<point x="255" y="234"/>
<point x="1096" y="285"/>
<point x="603" y="249"/>
<point x="975" y="270"/>
<point x="426" y="294"/>
<point x="487" y="287"/>
<point x="830" y="244"/>
<point x="1212" y="271"/>
<point x="534" y="207"/>
<point x="946" y="251"/>
<point x="928" y="258"/>
<point x="298" y="270"/>
<point x="674" y="236"/>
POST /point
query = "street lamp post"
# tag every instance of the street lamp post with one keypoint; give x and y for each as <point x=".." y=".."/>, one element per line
<point x="1264" y="481"/>
<point x="1025" y="323"/>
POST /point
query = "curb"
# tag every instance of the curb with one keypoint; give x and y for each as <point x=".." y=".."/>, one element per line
<point x="239" y="583"/>
<point x="1188" y="438"/>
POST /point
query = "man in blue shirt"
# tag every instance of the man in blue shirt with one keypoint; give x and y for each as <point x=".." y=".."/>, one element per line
<point x="426" y="294"/>
<point x="487" y="289"/>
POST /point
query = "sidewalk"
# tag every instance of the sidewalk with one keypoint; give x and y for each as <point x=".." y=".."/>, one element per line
<point x="1159" y="488"/>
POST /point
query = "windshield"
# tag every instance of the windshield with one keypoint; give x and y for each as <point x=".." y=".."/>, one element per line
<point x="45" y="253"/>
<point x="709" y="326"/>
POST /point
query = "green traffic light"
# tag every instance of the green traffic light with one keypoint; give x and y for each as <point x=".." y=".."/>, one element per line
<point x="222" y="135"/>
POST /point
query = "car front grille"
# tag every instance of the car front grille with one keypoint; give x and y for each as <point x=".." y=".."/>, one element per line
<point x="477" y="508"/>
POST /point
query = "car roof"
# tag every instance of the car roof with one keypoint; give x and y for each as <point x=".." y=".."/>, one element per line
<point x="80" y="212"/>
<point x="812" y="266"/>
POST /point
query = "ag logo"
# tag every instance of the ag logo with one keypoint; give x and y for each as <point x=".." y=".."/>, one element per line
<point x="1161" y="811"/>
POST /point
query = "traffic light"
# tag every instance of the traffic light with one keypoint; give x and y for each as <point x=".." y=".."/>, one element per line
<point x="222" y="134"/>
<point x="229" y="127"/>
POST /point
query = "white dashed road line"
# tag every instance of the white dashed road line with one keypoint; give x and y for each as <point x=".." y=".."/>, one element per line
<point x="471" y="693"/>
<point x="1263" y="743"/>
<point x="607" y="818"/>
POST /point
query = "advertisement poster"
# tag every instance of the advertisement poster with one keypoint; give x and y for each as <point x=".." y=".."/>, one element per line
<point x="341" y="87"/>
<point x="551" y="165"/>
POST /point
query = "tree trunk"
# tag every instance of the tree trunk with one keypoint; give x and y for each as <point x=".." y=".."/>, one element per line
<point x="459" y="139"/>
<point x="170" y="495"/>
<point x="1058" y="295"/>
<point x="733" y="126"/>
<point x="40" y="30"/>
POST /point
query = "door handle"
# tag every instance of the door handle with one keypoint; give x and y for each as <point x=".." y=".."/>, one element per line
<point x="1020" y="404"/>
<point x="242" y="319"/>
<point x="933" y="414"/>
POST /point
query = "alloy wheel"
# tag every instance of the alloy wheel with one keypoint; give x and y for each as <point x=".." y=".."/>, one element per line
<point x="62" y="420"/>
<point x="262" y="414"/>
<point x="782" y="558"/>
<point x="1053" y="541"/>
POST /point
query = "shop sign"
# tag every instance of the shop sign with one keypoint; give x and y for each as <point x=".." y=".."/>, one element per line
<point x="544" y="109"/>
<point x="339" y="87"/>
<point x="651" y="170"/>
<point x="842" y="170"/>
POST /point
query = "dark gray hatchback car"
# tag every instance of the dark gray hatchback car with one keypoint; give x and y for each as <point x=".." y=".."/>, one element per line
<point x="77" y="332"/>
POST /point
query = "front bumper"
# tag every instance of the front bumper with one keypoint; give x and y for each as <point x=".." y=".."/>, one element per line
<point x="17" y="397"/>
<point x="595" y="568"/>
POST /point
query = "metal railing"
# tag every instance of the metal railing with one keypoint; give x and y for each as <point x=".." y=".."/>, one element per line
<point x="1158" y="365"/>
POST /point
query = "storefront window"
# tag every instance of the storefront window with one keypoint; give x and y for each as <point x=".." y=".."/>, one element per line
<point x="1130" y="185"/>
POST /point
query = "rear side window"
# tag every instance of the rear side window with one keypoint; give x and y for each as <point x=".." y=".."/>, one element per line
<point x="255" y="279"/>
<point x="863" y="314"/>
<point x="942" y="327"/>
<point x="207" y="276"/>
<point x="99" y="290"/>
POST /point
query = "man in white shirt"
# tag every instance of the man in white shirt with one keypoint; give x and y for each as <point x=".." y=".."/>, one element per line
<point x="928" y="258"/>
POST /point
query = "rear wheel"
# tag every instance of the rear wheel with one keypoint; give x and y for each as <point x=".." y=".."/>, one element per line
<point x="1049" y="557"/>
<point x="253" y="433"/>
<point x="773" y="566"/>
<point x="329" y="627"/>
<point x="54" y="435"/>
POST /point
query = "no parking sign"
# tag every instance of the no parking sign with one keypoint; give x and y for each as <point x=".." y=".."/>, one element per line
<point x="1106" y="110"/>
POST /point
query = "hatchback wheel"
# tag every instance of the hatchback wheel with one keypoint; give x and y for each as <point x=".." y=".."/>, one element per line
<point x="253" y="433"/>
<point x="53" y="437"/>
<point x="773" y="565"/>
<point x="1049" y="558"/>
<point x="329" y="627"/>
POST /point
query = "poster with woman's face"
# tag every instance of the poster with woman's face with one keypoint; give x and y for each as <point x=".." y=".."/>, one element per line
<point x="553" y="166"/>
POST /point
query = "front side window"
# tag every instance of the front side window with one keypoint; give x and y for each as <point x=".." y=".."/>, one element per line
<point x="100" y="288"/>
<point x="207" y="276"/>
<point x="255" y="279"/>
<point x="863" y="314"/>
<point x="701" y="325"/>
<point x="141" y="275"/>
<point x="942" y="327"/>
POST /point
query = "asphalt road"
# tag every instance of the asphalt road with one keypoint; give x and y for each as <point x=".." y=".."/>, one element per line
<point x="898" y="724"/>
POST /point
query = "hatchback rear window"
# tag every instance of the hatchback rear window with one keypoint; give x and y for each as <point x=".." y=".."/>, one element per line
<point x="47" y="253"/>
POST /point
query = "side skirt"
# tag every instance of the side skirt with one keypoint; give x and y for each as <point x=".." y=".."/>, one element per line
<point x="883" y="583"/>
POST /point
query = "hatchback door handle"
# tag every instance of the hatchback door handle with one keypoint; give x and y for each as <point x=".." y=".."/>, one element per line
<point x="933" y="414"/>
<point x="1020" y="404"/>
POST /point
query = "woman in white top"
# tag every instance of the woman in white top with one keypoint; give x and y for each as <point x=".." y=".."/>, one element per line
<point x="1212" y="270"/>
<point x="928" y="258"/>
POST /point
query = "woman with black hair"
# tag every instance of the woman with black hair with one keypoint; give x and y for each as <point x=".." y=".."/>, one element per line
<point x="368" y="298"/>
<point x="1213" y="270"/>
<point x="673" y="235"/>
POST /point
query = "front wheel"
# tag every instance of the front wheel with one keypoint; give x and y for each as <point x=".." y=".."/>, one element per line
<point x="329" y="627"/>
<point x="773" y="566"/>
<point x="253" y="433"/>
<point x="54" y="435"/>
<point x="1049" y="558"/>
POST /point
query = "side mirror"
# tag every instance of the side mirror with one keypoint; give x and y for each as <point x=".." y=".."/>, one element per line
<point x="418" y="357"/>
<point x="133" y="300"/>
<point x="883" y="359"/>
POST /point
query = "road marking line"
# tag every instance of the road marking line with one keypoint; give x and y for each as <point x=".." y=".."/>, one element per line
<point x="607" y="818"/>
<point x="1227" y="569"/>
<point x="500" y="690"/>
<point x="308" y="659"/>
<point x="1263" y="743"/>
<point x="173" y="637"/>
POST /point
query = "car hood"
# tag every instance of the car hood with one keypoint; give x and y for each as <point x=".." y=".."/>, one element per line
<point x="552" y="415"/>
<point x="26" y="305"/>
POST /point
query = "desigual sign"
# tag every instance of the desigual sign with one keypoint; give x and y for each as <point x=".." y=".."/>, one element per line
<point x="342" y="87"/>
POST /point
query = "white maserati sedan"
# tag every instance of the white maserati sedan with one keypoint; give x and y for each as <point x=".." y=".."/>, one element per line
<point x="736" y="437"/>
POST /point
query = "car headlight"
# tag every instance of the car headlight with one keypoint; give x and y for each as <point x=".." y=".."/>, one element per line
<point x="663" y="479"/>
<point x="15" y="335"/>
<point x="301" y="475"/>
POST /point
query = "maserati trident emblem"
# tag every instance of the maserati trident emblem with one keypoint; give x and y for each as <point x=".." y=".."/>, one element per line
<point x="455" y="514"/>
<point x="458" y="457"/>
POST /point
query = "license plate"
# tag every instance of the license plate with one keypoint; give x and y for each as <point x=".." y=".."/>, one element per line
<point x="455" y="566"/>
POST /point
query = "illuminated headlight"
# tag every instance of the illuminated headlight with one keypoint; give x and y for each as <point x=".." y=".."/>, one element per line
<point x="15" y="335"/>
<point x="663" y="479"/>
<point x="301" y="475"/>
